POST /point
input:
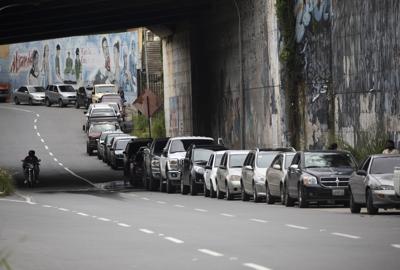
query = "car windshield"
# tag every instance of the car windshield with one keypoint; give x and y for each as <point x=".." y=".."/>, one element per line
<point x="201" y="155"/>
<point x="236" y="160"/>
<point x="288" y="160"/>
<point x="108" y="138"/>
<point x="183" y="145"/>
<point x="103" y="112"/>
<point x="111" y="98"/>
<point x="264" y="159"/>
<point x="103" y="127"/>
<point x="382" y="165"/>
<point x="327" y="160"/>
<point x="217" y="160"/>
<point x="159" y="146"/>
<point x="104" y="135"/>
<point x="105" y="89"/>
<point x="36" y="89"/>
<point x="66" y="88"/>
<point x="121" y="144"/>
<point x="114" y="106"/>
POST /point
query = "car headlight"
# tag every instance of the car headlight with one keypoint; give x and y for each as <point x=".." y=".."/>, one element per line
<point x="234" y="178"/>
<point x="173" y="164"/>
<point x="384" y="187"/>
<point x="309" y="180"/>
<point x="155" y="163"/>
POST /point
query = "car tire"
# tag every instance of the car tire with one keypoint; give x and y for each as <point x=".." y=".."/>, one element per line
<point x="220" y="194"/>
<point x="244" y="196"/>
<point x="371" y="209"/>
<point x="60" y="103"/>
<point x="229" y="195"/>
<point x="301" y="199"/>
<point x="30" y="102"/>
<point x="88" y="150"/>
<point x="47" y="101"/>
<point x="77" y="105"/>
<point x="193" y="187"/>
<point x="213" y="193"/>
<point x="184" y="189"/>
<point x="206" y="191"/>
<point x="16" y="101"/>
<point x="169" y="187"/>
<point x="282" y="194"/>
<point x="268" y="197"/>
<point x="162" y="185"/>
<point x="256" y="198"/>
<point x="288" y="200"/>
<point x="152" y="184"/>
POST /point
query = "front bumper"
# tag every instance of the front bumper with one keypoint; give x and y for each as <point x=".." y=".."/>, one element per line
<point x="174" y="177"/>
<point x="318" y="193"/>
<point x="386" y="199"/>
<point x="234" y="187"/>
<point x="38" y="101"/>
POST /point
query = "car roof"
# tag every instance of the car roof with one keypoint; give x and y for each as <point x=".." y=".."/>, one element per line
<point x="104" y="84"/>
<point x="214" y="147"/>
<point x="191" y="138"/>
<point x="384" y="155"/>
<point x="233" y="152"/>
<point x="277" y="149"/>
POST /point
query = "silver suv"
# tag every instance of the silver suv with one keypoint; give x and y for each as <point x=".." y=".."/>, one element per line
<point x="61" y="94"/>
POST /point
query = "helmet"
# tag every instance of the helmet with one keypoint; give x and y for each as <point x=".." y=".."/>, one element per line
<point x="31" y="153"/>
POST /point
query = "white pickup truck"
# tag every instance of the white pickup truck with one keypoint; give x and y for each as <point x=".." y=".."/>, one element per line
<point x="100" y="90"/>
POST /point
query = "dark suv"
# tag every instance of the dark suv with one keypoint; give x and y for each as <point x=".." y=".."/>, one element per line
<point x="319" y="176"/>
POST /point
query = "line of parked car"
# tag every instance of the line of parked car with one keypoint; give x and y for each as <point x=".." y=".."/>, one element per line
<point x="199" y="165"/>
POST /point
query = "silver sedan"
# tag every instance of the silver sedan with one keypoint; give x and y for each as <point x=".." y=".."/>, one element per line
<point x="373" y="184"/>
<point x="29" y="94"/>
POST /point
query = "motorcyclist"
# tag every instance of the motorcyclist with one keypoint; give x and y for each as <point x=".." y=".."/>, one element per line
<point x="32" y="159"/>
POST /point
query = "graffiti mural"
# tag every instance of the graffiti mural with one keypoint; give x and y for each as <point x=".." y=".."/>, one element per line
<point x="80" y="61"/>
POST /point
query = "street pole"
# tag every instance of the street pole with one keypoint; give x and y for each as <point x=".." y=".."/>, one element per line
<point x="147" y="80"/>
<point x="148" y="114"/>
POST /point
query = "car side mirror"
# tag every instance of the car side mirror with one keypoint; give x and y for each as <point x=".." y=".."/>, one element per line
<point x="276" y="166"/>
<point x="362" y="173"/>
<point x="294" y="167"/>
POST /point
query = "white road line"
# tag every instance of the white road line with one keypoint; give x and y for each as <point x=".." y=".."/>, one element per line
<point x="10" y="200"/>
<point x="133" y="195"/>
<point x="161" y="202"/>
<point x="179" y="206"/>
<point x="59" y="163"/>
<point x="56" y="160"/>
<point x="259" y="220"/>
<point x="256" y="266"/>
<point x="82" y="214"/>
<point x="146" y="199"/>
<point x="94" y="216"/>
<point x="103" y="219"/>
<point x="175" y="240"/>
<point x="296" y="227"/>
<point x="146" y="231"/>
<point x="396" y="245"/>
<point x="80" y="177"/>
<point x="35" y="121"/>
<point x="38" y="115"/>
<point x="63" y="209"/>
<point x="227" y="215"/>
<point x="42" y="140"/>
<point x="34" y="126"/>
<point x="200" y="210"/>
<point x="161" y="234"/>
<point x="51" y="154"/>
<point x="38" y="134"/>
<point x="46" y="206"/>
<point x="124" y="225"/>
<point x="46" y="147"/>
<point x="210" y="252"/>
<point x="346" y="235"/>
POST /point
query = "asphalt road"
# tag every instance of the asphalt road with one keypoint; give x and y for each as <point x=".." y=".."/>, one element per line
<point x="70" y="222"/>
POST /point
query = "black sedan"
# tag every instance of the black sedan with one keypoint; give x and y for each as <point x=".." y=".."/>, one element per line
<point x="319" y="176"/>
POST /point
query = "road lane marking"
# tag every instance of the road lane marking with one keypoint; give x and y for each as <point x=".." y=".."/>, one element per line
<point x="346" y="235"/>
<point x="10" y="200"/>
<point x="22" y="110"/>
<point x="175" y="240"/>
<point x="146" y="231"/>
<point x="38" y="115"/>
<point x="42" y="140"/>
<point x="133" y="195"/>
<point x="46" y="206"/>
<point x="256" y="266"/>
<point x="396" y="245"/>
<point x="179" y="206"/>
<point x="35" y="121"/>
<point x="103" y="219"/>
<point x="59" y="163"/>
<point x="161" y="202"/>
<point x="227" y="215"/>
<point x="146" y="199"/>
<point x="210" y="252"/>
<point x="124" y="225"/>
<point x="34" y="126"/>
<point x="63" y="209"/>
<point x="233" y="258"/>
<point x="38" y="134"/>
<point x="51" y="154"/>
<point x="296" y="227"/>
<point x="46" y="147"/>
<point x="56" y="160"/>
<point x="200" y="210"/>
<point x="82" y="214"/>
<point x="160" y="234"/>
<point x="259" y="220"/>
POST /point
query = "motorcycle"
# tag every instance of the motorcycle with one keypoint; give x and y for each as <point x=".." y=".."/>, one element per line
<point x="29" y="173"/>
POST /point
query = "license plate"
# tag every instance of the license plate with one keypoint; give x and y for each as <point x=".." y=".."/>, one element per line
<point x="338" y="192"/>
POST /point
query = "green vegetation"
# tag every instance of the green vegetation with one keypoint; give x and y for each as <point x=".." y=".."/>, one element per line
<point x="141" y="126"/>
<point x="3" y="260"/>
<point x="367" y="144"/>
<point x="6" y="183"/>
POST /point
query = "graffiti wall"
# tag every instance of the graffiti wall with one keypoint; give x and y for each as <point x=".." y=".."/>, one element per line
<point x="81" y="61"/>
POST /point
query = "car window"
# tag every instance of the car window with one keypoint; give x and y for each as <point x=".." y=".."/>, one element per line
<point x="365" y="164"/>
<point x="159" y="146"/>
<point x="236" y="160"/>
<point x="36" y="89"/>
<point x="288" y="160"/>
<point x="103" y="127"/>
<point x="218" y="158"/>
<point x="326" y="160"/>
<point x="264" y="159"/>
<point x="210" y="160"/>
<point x="183" y="145"/>
<point x="105" y="89"/>
<point x="66" y="88"/>
<point x="296" y="159"/>
<point x="223" y="160"/>
<point x="201" y="155"/>
<point x="384" y="165"/>
<point x="121" y="144"/>
<point x="103" y="112"/>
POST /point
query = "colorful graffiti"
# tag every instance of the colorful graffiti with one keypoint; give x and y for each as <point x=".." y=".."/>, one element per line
<point x="305" y="10"/>
<point x="82" y="60"/>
